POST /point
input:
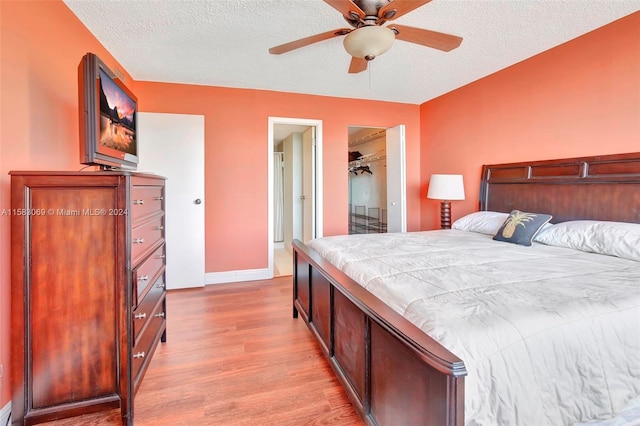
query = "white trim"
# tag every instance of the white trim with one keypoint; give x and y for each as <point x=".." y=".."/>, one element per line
<point x="237" y="276"/>
<point x="272" y="121"/>
<point x="5" y="413"/>
<point x="270" y="230"/>
<point x="319" y="180"/>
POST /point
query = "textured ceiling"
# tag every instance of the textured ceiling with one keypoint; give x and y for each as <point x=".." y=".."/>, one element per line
<point x="226" y="42"/>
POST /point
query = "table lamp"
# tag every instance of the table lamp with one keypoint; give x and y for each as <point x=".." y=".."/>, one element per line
<point x="446" y="188"/>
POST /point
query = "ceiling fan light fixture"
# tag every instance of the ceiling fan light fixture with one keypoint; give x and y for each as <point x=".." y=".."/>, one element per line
<point x="369" y="41"/>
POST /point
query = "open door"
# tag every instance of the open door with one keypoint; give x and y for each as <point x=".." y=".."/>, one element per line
<point x="396" y="180"/>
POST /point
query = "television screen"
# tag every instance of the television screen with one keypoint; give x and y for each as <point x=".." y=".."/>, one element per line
<point x="117" y="117"/>
<point x="107" y="117"/>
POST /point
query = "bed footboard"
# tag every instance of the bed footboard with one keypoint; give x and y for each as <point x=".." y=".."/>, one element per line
<point x="392" y="372"/>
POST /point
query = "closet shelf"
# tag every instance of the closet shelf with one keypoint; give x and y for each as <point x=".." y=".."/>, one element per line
<point x="365" y="220"/>
<point x="367" y="158"/>
<point x="371" y="136"/>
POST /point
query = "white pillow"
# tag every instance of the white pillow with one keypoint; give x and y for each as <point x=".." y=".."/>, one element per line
<point x="611" y="238"/>
<point x="482" y="222"/>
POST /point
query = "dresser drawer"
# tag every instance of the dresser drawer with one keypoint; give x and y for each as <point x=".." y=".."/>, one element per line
<point x="146" y="200"/>
<point x="149" y="272"/>
<point x="144" y="312"/>
<point x="147" y="341"/>
<point x="144" y="236"/>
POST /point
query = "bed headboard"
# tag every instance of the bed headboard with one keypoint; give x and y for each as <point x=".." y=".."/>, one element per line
<point x="605" y="187"/>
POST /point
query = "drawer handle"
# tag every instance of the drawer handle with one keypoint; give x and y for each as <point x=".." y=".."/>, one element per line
<point x="138" y="202"/>
<point x="158" y="198"/>
<point x="159" y="228"/>
<point x="160" y="256"/>
<point x="160" y="315"/>
<point x="143" y="277"/>
<point x="138" y="355"/>
<point x="160" y="285"/>
<point x="140" y="316"/>
<point x="138" y="241"/>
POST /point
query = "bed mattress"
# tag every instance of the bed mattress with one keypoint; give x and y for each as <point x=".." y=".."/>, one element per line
<point x="549" y="335"/>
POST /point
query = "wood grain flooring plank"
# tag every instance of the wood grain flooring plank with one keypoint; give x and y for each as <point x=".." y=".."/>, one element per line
<point x="234" y="356"/>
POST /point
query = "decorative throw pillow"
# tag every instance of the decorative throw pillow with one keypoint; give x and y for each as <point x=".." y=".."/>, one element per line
<point x="521" y="227"/>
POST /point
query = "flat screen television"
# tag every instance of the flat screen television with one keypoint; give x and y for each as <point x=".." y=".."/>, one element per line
<point x="108" y="125"/>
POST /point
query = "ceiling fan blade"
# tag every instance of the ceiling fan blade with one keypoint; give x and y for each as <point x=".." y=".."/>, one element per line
<point x="397" y="8"/>
<point x="346" y="6"/>
<point x="440" y="41"/>
<point x="287" y="47"/>
<point x="357" y="65"/>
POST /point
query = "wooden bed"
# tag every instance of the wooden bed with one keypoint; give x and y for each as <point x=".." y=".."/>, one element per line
<point x="392" y="371"/>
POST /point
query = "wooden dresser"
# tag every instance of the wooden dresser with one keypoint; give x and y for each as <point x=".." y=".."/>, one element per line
<point x="88" y="290"/>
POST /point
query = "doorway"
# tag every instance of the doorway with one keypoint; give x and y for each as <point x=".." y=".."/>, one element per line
<point x="295" y="188"/>
<point x="377" y="182"/>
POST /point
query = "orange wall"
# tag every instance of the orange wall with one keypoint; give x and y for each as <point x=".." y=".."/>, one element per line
<point x="581" y="98"/>
<point x="236" y="126"/>
<point x="42" y="44"/>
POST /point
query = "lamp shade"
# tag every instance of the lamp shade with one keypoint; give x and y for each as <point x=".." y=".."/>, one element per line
<point x="369" y="41"/>
<point x="446" y="187"/>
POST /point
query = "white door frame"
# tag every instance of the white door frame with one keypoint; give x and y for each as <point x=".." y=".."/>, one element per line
<point x="273" y="121"/>
<point x="308" y="183"/>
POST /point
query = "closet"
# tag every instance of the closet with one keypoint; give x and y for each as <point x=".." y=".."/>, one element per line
<point x="367" y="180"/>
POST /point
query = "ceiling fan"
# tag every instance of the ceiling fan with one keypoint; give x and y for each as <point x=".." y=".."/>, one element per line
<point x="369" y="38"/>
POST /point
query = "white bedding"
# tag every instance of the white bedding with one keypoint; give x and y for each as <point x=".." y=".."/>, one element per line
<point x="549" y="335"/>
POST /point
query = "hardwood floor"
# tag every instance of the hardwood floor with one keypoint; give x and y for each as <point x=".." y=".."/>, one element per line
<point x="235" y="356"/>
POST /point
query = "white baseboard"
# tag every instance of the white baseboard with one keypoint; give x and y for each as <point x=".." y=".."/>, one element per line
<point x="237" y="276"/>
<point x="5" y="412"/>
